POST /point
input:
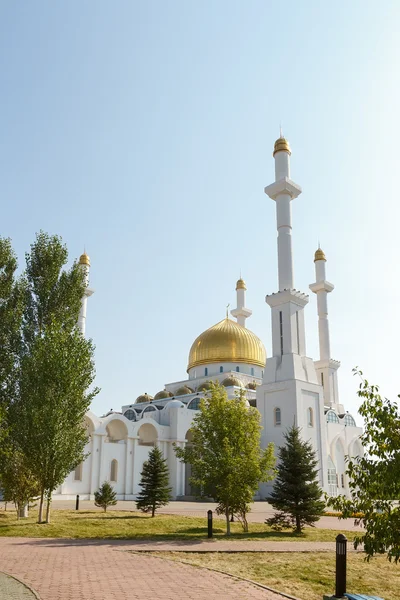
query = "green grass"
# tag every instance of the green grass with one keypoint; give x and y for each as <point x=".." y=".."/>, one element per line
<point x="306" y="576"/>
<point x="132" y="525"/>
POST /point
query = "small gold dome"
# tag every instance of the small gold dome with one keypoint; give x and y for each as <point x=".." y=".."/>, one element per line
<point x="206" y="385"/>
<point x="84" y="259"/>
<point x="241" y="285"/>
<point x="183" y="391"/>
<point x="230" y="381"/>
<point x="227" y="342"/>
<point x="319" y="255"/>
<point x="282" y="145"/>
<point x="143" y="398"/>
<point x="163" y="394"/>
<point x="252" y="385"/>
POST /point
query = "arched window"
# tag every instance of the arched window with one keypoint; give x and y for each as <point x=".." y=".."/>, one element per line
<point x="332" y="478"/>
<point x="277" y="417"/>
<point x="206" y="371"/>
<point x="310" y="417"/>
<point x="147" y="435"/>
<point x="221" y="369"/>
<point x="149" y="409"/>
<point x="237" y="369"/>
<point x="78" y="472"/>
<point x="194" y="404"/>
<point x="348" y="420"/>
<point x="130" y="414"/>
<point x="114" y="471"/>
<point x="252" y="371"/>
<point x="331" y="417"/>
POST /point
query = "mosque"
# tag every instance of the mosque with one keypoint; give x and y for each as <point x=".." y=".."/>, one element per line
<point x="287" y="387"/>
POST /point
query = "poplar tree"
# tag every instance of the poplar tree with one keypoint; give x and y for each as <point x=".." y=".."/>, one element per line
<point x="225" y="454"/>
<point x="296" y="493"/>
<point x="154" y="482"/>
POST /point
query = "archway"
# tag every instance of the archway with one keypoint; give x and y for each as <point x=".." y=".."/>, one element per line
<point x="117" y="431"/>
<point x="147" y="435"/>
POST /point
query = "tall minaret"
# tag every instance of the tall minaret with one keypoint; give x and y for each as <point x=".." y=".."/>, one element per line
<point x="326" y="367"/>
<point x="290" y="392"/>
<point x="84" y="262"/>
<point x="241" y="312"/>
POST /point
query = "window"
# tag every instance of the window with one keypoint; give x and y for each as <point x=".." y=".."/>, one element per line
<point x="78" y="473"/>
<point x="221" y="369"/>
<point x="331" y="472"/>
<point x="277" y="417"/>
<point x="322" y="379"/>
<point x="342" y="480"/>
<point x="262" y="373"/>
<point x="281" y="330"/>
<point x="252" y="371"/>
<point x="114" y="471"/>
<point x="194" y="404"/>
<point x="206" y="371"/>
<point x="331" y="417"/>
<point x="130" y="414"/>
<point x="310" y="417"/>
<point x="348" y="420"/>
<point x="237" y="369"/>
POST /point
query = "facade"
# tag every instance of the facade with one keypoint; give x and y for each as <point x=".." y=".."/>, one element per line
<point x="288" y="387"/>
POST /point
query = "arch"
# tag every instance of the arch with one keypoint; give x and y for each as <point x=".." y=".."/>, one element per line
<point x="356" y="449"/>
<point x="147" y="435"/>
<point x="194" y="404"/>
<point x="332" y="477"/>
<point x="89" y="425"/>
<point x="117" y="431"/>
<point x="340" y="460"/>
<point x="149" y="409"/>
<point x="130" y="414"/>
<point x="277" y="417"/>
<point x="114" y="471"/>
<point x="331" y="417"/>
<point x="310" y="417"/>
<point x="349" y="420"/>
<point x="78" y="472"/>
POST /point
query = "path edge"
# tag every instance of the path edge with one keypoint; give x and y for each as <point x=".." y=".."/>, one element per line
<point x="28" y="587"/>
<point x="256" y="583"/>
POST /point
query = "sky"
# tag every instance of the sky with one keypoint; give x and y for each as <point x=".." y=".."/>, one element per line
<point x="143" y="131"/>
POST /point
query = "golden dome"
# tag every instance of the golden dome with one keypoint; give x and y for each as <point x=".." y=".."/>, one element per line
<point x="143" y="398"/>
<point x="228" y="342"/>
<point x="230" y="381"/>
<point x="241" y="285"/>
<point x="319" y="255"/>
<point x="183" y="391"/>
<point x="163" y="394"/>
<point x="281" y="145"/>
<point x="84" y="259"/>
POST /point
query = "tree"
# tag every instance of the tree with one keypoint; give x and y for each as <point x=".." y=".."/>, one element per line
<point x="225" y="455"/>
<point x="17" y="483"/>
<point x="154" y="483"/>
<point x="105" y="496"/>
<point x="374" y="478"/>
<point x="296" y="494"/>
<point x="55" y="368"/>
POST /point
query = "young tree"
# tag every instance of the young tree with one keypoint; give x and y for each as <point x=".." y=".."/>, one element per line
<point x="105" y="496"/>
<point x="56" y="368"/>
<point x="154" y="483"/>
<point x="374" y="478"/>
<point x="296" y="495"/>
<point x="225" y="455"/>
<point x="17" y="483"/>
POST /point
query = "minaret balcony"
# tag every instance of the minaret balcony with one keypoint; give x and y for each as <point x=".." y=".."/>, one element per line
<point x="283" y="186"/>
<point x="319" y="286"/>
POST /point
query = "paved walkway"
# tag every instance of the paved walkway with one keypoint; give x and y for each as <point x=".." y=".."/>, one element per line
<point x="100" y="570"/>
<point x="11" y="589"/>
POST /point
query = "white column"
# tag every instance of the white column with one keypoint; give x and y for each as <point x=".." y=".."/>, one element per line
<point x="84" y="262"/>
<point x="241" y="312"/>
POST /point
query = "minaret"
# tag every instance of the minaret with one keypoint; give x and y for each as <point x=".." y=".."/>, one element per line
<point x="290" y="391"/>
<point x="84" y="262"/>
<point x="326" y="367"/>
<point x="241" y="312"/>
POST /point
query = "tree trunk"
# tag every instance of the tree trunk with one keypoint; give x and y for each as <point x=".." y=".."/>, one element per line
<point x="153" y="510"/>
<point x="228" y="522"/>
<point x="23" y="511"/>
<point x="105" y="508"/>
<point x="41" y="507"/>
<point x="48" y="509"/>
<point x="298" y="524"/>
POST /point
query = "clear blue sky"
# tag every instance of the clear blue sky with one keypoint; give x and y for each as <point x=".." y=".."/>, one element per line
<point x="144" y="131"/>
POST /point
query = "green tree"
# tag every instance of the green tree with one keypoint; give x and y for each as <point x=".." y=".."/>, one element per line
<point x="296" y="494"/>
<point x="105" y="496"/>
<point x="154" y="482"/>
<point x="56" y="368"/>
<point x="374" y="477"/>
<point x="225" y="455"/>
<point x="17" y="483"/>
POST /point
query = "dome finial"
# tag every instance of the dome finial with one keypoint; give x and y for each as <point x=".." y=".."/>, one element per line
<point x="84" y="258"/>
<point x="281" y="145"/>
<point x="227" y="310"/>
<point x="319" y="254"/>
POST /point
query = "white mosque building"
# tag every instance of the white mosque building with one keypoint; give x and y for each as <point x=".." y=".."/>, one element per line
<point x="287" y="387"/>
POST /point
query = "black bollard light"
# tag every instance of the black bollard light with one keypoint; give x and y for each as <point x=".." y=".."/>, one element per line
<point x="209" y="523"/>
<point x="341" y="558"/>
<point x="77" y="502"/>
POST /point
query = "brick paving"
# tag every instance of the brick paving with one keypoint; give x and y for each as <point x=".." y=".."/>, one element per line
<point x="61" y="569"/>
<point x="11" y="589"/>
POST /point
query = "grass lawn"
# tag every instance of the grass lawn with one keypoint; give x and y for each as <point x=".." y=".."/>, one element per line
<point x="132" y="525"/>
<point x="305" y="575"/>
